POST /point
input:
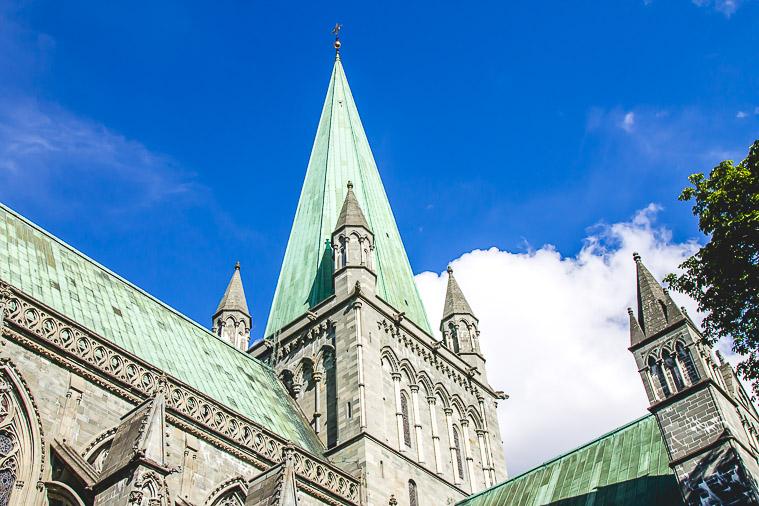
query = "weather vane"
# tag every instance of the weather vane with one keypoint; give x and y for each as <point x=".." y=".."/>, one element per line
<point x="336" y="33"/>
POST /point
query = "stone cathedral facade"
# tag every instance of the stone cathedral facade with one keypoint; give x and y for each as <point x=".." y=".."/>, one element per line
<point x="109" y="397"/>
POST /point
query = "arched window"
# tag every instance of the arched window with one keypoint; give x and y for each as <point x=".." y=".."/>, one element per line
<point x="454" y="337"/>
<point x="343" y="252"/>
<point x="658" y="373"/>
<point x="406" y="425"/>
<point x="7" y="448"/>
<point x="457" y="449"/>
<point x="233" y="498"/>
<point x="413" y="496"/>
<point x="674" y="370"/>
<point x="686" y="360"/>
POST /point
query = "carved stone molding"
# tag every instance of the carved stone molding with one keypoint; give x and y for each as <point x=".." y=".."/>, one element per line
<point x="116" y="370"/>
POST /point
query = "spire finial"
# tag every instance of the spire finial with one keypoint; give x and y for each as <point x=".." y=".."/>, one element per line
<point x="636" y="256"/>
<point x="350" y="184"/>
<point x="336" y="33"/>
<point x="237" y="265"/>
<point x="450" y="270"/>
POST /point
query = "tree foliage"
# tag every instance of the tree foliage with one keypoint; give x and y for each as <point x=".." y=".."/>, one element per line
<point x="723" y="276"/>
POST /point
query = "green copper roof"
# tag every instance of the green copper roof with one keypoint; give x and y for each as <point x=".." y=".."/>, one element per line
<point x="63" y="278"/>
<point x="628" y="466"/>
<point x="340" y="154"/>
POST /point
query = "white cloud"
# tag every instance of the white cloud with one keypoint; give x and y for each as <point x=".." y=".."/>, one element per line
<point x="741" y="114"/>
<point x="628" y="122"/>
<point x="726" y="7"/>
<point x="49" y="153"/>
<point x="555" y="332"/>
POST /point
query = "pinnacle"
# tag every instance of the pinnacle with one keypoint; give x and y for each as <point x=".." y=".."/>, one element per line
<point x="351" y="213"/>
<point x="656" y="309"/>
<point x="455" y="302"/>
<point x="234" y="296"/>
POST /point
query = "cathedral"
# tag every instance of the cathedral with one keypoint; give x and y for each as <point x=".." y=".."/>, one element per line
<point x="109" y="397"/>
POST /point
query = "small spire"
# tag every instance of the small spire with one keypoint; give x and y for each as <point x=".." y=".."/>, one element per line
<point x="351" y="213"/>
<point x="455" y="302"/>
<point x="656" y="309"/>
<point x="636" y="333"/>
<point x="234" y="295"/>
<point x="720" y="357"/>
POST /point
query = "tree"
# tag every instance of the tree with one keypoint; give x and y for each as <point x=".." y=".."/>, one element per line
<point x="723" y="276"/>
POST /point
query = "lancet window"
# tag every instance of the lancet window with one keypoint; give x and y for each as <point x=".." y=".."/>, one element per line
<point x="406" y="421"/>
<point x="413" y="496"/>
<point x="686" y="362"/>
<point x="674" y="370"/>
<point x="658" y="378"/>
<point x="457" y="450"/>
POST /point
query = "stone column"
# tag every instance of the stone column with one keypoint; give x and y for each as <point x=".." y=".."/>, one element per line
<point x="398" y="412"/>
<point x="488" y="449"/>
<point x="317" y="375"/>
<point x="417" y="422"/>
<point x="481" y="435"/>
<point x="432" y="401"/>
<point x="468" y="455"/>
<point x="360" y="358"/>
<point x="452" y="445"/>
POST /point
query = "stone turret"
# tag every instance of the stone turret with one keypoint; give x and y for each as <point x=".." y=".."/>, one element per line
<point x="135" y="470"/>
<point x="353" y="248"/>
<point x="232" y="321"/>
<point x="708" y="423"/>
<point x="459" y="326"/>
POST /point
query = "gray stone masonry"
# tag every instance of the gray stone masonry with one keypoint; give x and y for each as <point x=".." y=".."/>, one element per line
<point x="397" y="405"/>
<point x="80" y="410"/>
<point x="706" y="419"/>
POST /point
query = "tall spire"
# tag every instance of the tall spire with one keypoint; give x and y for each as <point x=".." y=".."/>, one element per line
<point x="341" y="153"/>
<point x="656" y="309"/>
<point x="455" y="302"/>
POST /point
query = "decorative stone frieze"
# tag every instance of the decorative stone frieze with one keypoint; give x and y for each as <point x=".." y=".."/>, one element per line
<point x="118" y="371"/>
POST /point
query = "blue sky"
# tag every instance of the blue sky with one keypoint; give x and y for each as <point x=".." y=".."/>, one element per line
<point x="168" y="140"/>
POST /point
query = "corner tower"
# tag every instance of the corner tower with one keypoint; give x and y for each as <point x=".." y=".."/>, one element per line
<point x="707" y="420"/>
<point x="349" y="337"/>
<point x="232" y="321"/>
<point x="459" y="326"/>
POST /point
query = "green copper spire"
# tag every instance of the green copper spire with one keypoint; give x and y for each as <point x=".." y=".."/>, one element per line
<point x="340" y="154"/>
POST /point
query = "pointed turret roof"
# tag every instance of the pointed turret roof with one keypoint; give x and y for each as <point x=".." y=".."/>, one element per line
<point x="234" y="295"/>
<point x="455" y="302"/>
<point x="140" y="434"/>
<point x="341" y="153"/>
<point x="351" y="213"/>
<point x="656" y="309"/>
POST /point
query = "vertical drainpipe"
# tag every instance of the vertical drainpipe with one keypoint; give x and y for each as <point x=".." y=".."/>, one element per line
<point x="360" y="356"/>
<point x="417" y="422"/>
<point x="491" y="464"/>
<point x="431" y="401"/>
<point x="317" y="375"/>
<point x="398" y="413"/>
